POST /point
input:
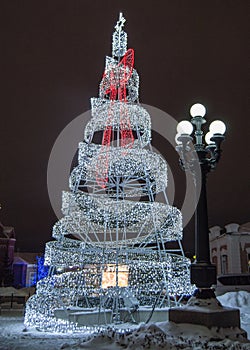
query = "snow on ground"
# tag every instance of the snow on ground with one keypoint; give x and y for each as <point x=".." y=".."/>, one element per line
<point x="14" y="336"/>
<point x="163" y="335"/>
<point x="241" y="301"/>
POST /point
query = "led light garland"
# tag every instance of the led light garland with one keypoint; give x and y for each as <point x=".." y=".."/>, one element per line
<point x="61" y="292"/>
<point x="132" y="169"/>
<point x="156" y="218"/>
<point x="140" y="120"/>
<point x="119" y="262"/>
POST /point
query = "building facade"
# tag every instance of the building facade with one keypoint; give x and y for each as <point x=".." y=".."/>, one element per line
<point x="25" y="269"/>
<point x="230" y="248"/>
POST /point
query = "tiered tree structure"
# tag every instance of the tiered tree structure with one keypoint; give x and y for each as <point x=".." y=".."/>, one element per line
<point x="117" y="268"/>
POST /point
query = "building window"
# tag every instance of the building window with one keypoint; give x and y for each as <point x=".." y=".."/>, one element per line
<point x="224" y="263"/>
<point x="215" y="262"/>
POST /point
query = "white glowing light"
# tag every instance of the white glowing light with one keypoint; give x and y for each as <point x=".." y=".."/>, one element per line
<point x="119" y="44"/>
<point x="113" y="260"/>
<point x="109" y="276"/>
<point x="184" y="127"/>
<point x="217" y="127"/>
<point x="197" y="110"/>
<point x="208" y="137"/>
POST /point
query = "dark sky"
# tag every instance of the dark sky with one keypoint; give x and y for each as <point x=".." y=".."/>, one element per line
<point x="52" y="60"/>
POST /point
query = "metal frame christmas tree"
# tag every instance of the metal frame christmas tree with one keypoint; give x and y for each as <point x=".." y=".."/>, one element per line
<point x="117" y="269"/>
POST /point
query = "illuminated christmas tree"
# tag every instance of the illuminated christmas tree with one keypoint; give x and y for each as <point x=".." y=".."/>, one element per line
<point x="117" y="268"/>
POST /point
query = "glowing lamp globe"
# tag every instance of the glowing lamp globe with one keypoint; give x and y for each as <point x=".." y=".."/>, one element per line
<point x="208" y="138"/>
<point x="184" y="127"/>
<point x="217" y="127"/>
<point x="197" y="110"/>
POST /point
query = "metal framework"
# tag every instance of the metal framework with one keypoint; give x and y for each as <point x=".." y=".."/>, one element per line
<point x="117" y="268"/>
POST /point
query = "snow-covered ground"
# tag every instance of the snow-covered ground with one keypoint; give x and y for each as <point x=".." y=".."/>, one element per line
<point x="239" y="300"/>
<point x="164" y="335"/>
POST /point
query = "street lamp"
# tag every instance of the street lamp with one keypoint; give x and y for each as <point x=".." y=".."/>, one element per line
<point x="193" y="151"/>
<point x="200" y="159"/>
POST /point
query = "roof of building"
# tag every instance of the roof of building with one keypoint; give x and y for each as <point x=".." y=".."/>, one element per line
<point x="19" y="261"/>
<point x="245" y="227"/>
<point x="27" y="256"/>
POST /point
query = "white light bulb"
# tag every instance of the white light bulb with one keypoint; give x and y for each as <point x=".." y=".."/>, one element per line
<point x="197" y="110"/>
<point x="208" y="137"/>
<point x="217" y="127"/>
<point x="184" y="127"/>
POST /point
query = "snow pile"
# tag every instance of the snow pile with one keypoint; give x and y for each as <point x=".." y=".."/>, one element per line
<point x="166" y="335"/>
<point x="241" y="301"/>
<point x="162" y="335"/>
<point x="211" y="303"/>
<point x="14" y="336"/>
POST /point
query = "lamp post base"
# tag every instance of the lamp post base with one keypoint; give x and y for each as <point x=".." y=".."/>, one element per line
<point x="204" y="309"/>
<point x="224" y="318"/>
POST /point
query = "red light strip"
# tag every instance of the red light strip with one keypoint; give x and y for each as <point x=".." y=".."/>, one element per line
<point x="115" y="86"/>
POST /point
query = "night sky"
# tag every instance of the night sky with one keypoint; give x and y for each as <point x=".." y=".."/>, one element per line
<point x="52" y="60"/>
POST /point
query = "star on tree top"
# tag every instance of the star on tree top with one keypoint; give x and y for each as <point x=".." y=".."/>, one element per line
<point x="120" y="22"/>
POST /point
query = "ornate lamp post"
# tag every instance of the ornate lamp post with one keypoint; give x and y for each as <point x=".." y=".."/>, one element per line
<point x="192" y="150"/>
<point x="200" y="159"/>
